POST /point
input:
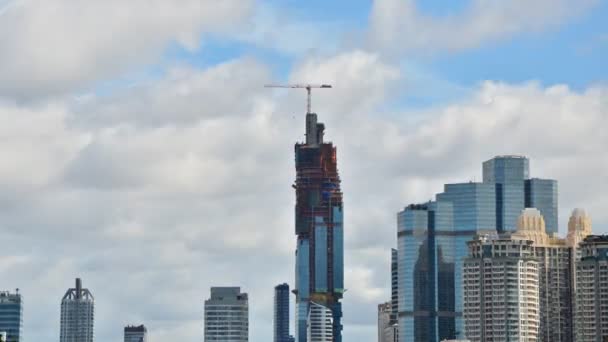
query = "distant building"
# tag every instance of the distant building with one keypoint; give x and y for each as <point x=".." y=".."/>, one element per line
<point x="592" y="290"/>
<point x="281" y="314"/>
<point x="387" y="329"/>
<point x="519" y="285"/>
<point x="136" y="333"/>
<point x="227" y="315"/>
<point x="77" y="315"/>
<point x="320" y="324"/>
<point x="11" y="316"/>
<point x="394" y="286"/>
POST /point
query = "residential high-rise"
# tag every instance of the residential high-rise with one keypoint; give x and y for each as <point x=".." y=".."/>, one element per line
<point x="227" y="315"/>
<point x="281" y="314"/>
<point x="319" y="230"/>
<point x="592" y="290"/>
<point x="320" y="323"/>
<point x="77" y="315"/>
<point x="136" y="333"/>
<point x="432" y="244"/>
<point x="11" y="315"/>
<point x="519" y="285"/>
<point x="387" y="329"/>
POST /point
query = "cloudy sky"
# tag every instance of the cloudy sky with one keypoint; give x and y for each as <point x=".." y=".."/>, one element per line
<point x="139" y="150"/>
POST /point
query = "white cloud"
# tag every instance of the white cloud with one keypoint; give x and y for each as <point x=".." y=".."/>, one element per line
<point x="398" y="25"/>
<point x="57" y="46"/>
<point x="153" y="201"/>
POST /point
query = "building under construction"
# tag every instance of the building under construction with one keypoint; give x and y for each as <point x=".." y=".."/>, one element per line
<point x="320" y="246"/>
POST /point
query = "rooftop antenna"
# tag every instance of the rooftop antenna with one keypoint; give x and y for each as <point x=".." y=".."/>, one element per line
<point x="308" y="88"/>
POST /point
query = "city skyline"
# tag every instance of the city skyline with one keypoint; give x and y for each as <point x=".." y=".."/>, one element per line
<point x="140" y="151"/>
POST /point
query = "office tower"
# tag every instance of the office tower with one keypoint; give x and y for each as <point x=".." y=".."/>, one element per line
<point x="319" y="230"/>
<point x="592" y="289"/>
<point x="518" y="285"/>
<point x="320" y="321"/>
<point x="281" y="314"/>
<point x="508" y="173"/>
<point x="11" y="315"/>
<point x="136" y="333"/>
<point x="542" y="195"/>
<point x="433" y="240"/>
<point x="227" y="315"/>
<point x="516" y="191"/>
<point x="77" y="315"/>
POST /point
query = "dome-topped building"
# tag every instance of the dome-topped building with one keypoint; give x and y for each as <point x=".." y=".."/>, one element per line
<point x="579" y="226"/>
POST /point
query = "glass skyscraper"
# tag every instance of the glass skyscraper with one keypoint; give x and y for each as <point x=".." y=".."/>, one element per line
<point x="11" y="316"/>
<point x="542" y="195"/>
<point x="77" y="315"/>
<point x="433" y="237"/>
<point x="281" y="314"/>
<point x="320" y="237"/>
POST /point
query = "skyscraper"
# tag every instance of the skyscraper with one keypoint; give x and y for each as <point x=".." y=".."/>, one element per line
<point x="227" y="315"/>
<point x="542" y="195"/>
<point x="77" y="315"/>
<point x="519" y="285"/>
<point x="433" y="237"/>
<point x="11" y="315"/>
<point x="281" y="314"/>
<point x="136" y="333"/>
<point x="318" y="221"/>
<point x="592" y="288"/>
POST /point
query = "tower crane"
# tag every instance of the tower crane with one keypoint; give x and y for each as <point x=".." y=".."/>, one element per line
<point x="308" y="88"/>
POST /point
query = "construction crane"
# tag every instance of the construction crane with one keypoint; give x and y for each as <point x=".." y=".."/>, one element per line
<point x="308" y="88"/>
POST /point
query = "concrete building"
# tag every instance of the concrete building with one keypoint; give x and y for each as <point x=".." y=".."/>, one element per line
<point x="227" y="315"/>
<point x="136" y="333"/>
<point x="592" y="290"/>
<point x="11" y="316"/>
<point x="519" y="285"/>
<point x="320" y="324"/>
<point x="77" y="315"/>
<point x="387" y="329"/>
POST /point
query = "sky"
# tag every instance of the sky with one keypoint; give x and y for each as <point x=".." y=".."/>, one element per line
<point x="140" y="151"/>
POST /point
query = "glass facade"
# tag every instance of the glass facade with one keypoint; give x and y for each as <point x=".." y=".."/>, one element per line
<point x="432" y="243"/>
<point x="542" y="195"/>
<point x="508" y="174"/>
<point x="281" y="313"/>
<point x="319" y="230"/>
<point x="11" y="316"/>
